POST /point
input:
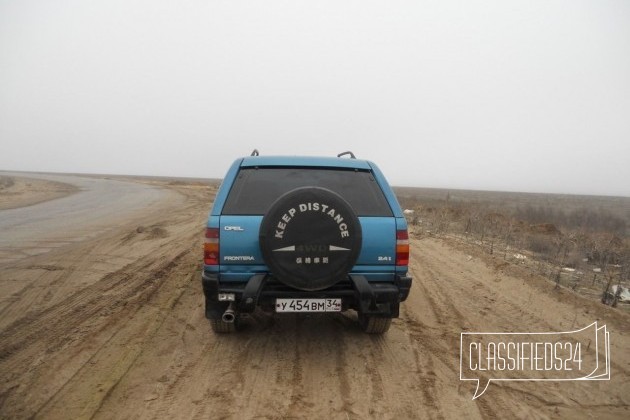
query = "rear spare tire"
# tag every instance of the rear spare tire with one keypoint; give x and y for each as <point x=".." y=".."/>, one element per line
<point x="310" y="238"/>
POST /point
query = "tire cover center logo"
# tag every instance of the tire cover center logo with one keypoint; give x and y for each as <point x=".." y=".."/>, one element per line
<point x="310" y="238"/>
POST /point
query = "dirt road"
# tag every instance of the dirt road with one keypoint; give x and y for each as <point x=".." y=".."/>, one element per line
<point x="113" y="327"/>
<point x="17" y="191"/>
<point x="98" y="205"/>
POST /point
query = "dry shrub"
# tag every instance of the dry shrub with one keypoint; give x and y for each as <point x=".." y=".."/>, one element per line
<point x="541" y="244"/>
<point x="544" y="228"/>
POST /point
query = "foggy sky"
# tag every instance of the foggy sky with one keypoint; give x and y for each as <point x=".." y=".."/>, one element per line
<point x="496" y="95"/>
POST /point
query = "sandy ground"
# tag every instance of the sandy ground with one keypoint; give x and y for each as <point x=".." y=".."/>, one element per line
<point x="18" y="192"/>
<point x="113" y="327"/>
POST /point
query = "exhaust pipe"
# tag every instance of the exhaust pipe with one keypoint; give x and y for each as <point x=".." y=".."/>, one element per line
<point x="229" y="315"/>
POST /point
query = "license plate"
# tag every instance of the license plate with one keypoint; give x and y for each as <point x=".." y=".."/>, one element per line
<point x="308" y="305"/>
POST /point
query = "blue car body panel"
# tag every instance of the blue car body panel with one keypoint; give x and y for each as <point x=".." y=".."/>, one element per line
<point x="240" y="255"/>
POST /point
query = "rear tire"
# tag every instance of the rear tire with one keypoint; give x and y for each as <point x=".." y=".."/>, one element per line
<point x="221" y="327"/>
<point x="372" y="324"/>
<point x="310" y="238"/>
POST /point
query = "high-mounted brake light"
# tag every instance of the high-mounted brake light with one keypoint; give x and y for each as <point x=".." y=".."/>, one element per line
<point x="402" y="247"/>
<point x="211" y="247"/>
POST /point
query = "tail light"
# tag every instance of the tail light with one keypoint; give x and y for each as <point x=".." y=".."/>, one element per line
<point x="211" y="247"/>
<point x="402" y="247"/>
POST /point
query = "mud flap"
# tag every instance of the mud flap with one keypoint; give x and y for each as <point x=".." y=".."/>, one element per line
<point x="249" y="299"/>
<point x="404" y="285"/>
<point x="381" y="299"/>
<point x="214" y="309"/>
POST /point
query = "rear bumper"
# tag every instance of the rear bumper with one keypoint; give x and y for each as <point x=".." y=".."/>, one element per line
<point x="356" y="292"/>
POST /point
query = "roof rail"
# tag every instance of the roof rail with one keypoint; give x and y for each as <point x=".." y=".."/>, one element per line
<point x="352" y="156"/>
<point x="255" y="153"/>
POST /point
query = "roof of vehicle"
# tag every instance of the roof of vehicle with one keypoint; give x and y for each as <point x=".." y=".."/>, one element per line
<point x="305" y="161"/>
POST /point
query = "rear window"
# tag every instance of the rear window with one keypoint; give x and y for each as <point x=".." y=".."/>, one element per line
<point x="255" y="189"/>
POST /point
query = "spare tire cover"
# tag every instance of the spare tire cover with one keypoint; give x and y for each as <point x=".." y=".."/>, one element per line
<point x="310" y="238"/>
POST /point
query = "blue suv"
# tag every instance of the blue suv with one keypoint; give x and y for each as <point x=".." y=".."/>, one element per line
<point x="305" y="234"/>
